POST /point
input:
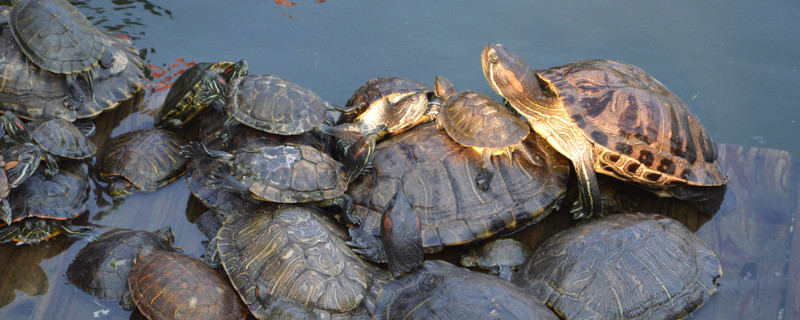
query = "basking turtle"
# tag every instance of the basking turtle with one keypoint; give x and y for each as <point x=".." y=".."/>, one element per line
<point x="44" y="207"/>
<point x="500" y="257"/>
<point x="171" y="285"/>
<point x="56" y="37"/>
<point x="475" y="120"/>
<point x="142" y="160"/>
<point x="300" y="255"/>
<point x="444" y="291"/>
<point x="629" y="266"/>
<point x="437" y="175"/>
<point x="189" y="94"/>
<point x="613" y="118"/>
<point x="101" y="267"/>
<point x="37" y="94"/>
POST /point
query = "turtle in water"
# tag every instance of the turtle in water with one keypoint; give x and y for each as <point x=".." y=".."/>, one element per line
<point x="477" y="121"/>
<point x="101" y="268"/>
<point x="613" y="118"/>
<point x="500" y="257"/>
<point x="443" y="291"/>
<point x="142" y="160"/>
<point x="56" y="37"/>
<point x="630" y="266"/>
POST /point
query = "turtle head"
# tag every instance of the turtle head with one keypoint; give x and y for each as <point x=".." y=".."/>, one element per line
<point x="166" y="235"/>
<point x="510" y="76"/>
<point x="14" y="127"/>
<point x="236" y="70"/>
<point x="401" y="234"/>
<point x="356" y="151"/>
<point x="406" y="112"/>
<point x="211" y="91"/>
<point x="443" y="88"/>
<point x="22" y="160"/>
<point x="120" y="187"/>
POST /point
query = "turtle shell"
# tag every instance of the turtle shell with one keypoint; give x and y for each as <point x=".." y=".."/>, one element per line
<point x="380" y="90"/>
<point x="476" y="120"/>
<point x="197" y="179"/>
<point x="438" y="176"/>
<point x="170" y="285"/>
<point x="274" y="105"/>
<point x="62" y="138"/>
<point x="629" y="266"/>
<point x="300" y="254"/>
<point x="497" y="253"/>
<point x="101" y="268"/>
<point x="55" y="35"/>
<point x="147" y="158"/>
<point x="441" y="290"/>
<point x="63" y="197"/>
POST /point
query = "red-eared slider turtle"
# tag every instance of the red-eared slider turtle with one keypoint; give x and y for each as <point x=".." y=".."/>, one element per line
<point x="57" y="138"/>
<point x="194" y="89"/>
<point x="438" y="176"/>
<point x="629" y="266"/>
<point x="299" y="255"/>
<point x="101" y="267"/>
<point x="443" y="291"/>
<point x="475" y="120"/>
<point x="500" y="257"/>
<point x="171" y="285"/>
<point x="56" y="37"/>
<point x="142" y="160"/>
<point x="613" y="118"/>
<point x="43" y="207"/>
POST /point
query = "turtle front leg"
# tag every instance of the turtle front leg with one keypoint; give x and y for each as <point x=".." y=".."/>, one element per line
<point x="345" y="203"/>
<point x="5" y="212"/>
<point x="486" y="173"/>
<point x="504" y="272"/>
<point x="84" y="232"/>
<point x="211" y="255"/>
<point x="75" y="96"/>
<point x="51" y="165"/>
<point x="230" y="128"/>
<point x="367" y="245"/>
<point x="590" y="200"/>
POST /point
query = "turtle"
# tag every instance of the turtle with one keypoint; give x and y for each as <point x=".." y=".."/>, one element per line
<point x="613" y="118"/>
<point x="57" y="138"/>
<point x="56" y="37"/>
<point x="142" y="160"/>
<point x="37" y="94"/>
<point x="437" y="175"/>
<point x="441" y="290"/>
<point x="294" y="253"/>
<point x="187" y="97"/>
<point x="501" y="257"/>
<point x="172" y="285"/>
<point x="628" y="265"/>
<point x="44" y="207"/>
<point x="477" y="121"/>
<point x="101" y="268"/>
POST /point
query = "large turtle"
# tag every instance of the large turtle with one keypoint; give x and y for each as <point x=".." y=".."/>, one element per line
<point x="623" y="266"/>
<point x="142" y="160"/>
<point x="443" y="291"/>
<point x="613" y="118"/>
<point x="101" y="268"/>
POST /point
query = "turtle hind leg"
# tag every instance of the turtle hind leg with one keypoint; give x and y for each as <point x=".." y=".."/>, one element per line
<point x="588" y="190"/>
<point x="75" y="97"/>
<point x="483" y="180"/>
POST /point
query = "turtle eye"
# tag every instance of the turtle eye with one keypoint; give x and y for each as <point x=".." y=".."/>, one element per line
<point x="494" y="59"/>
<point x="127" y="185"/>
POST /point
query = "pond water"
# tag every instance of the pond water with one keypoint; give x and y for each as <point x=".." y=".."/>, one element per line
<point x="735" y="64"/>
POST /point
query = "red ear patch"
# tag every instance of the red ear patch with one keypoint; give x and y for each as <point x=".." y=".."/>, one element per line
<point x="387" y="225"/>
<point x="10" y="165"/>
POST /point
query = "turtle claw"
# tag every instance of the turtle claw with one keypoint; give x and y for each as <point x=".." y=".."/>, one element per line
<point x="366" y="245"/>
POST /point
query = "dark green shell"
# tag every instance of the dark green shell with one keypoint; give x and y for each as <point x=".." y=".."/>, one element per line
<point x="629" y="266"/>
<point x="148" y="158"/>
<point x="101" y="268"/>
<point x="441" y="290"/>
<point x="62" y="138"/>
<point x="274" y="105"/>
<point x="62" y="197"/>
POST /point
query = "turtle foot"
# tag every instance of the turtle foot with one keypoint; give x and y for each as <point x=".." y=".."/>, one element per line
<point x="366" y="245"/>
<point x="484" y="179"/>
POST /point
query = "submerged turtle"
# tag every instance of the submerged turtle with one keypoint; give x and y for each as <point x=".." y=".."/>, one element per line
<point x="444" y="291"/>
<point x="629" y="266"/>
<point x="101" y="268"/>
<point x="192" y="91"/>
<point x="142" y="160"/>
<point x="613" y="118"/>
<point x="500" y="257"/>
<point x="44" y="207"/>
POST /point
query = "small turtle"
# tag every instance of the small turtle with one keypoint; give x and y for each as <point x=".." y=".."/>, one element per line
<point x="189" y="94"/>
<point x="613" y="118"/>
<point x="101" y="268"/>
<point x="629" y="266"/>
<point x="171" y="285"/>
<point x="475" y="120"/>
<point x="443" y="291"/>
<point x="44" y="207"/>
<point x="142" y="160"/>
<point x="500" y="257"/>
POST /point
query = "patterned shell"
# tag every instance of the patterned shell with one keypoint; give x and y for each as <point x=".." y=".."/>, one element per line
<point x="627" y="266"/>
<point x="299" y="253"/>
<point x="55" y="36"/>
<point x="167" y="285"/>
<point x="101" y="267"/>
<point x="443" y="291"/>
<point x="62" y="138"/>
<point x="148" y="158"/>
<point x="640" y="130"/>
<point x="36" y="94"/>
<point x="65" y="196"/>
<point x="274" y="105"/>
<point x="438" y="176"/>
<point x="476" y="120"/>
